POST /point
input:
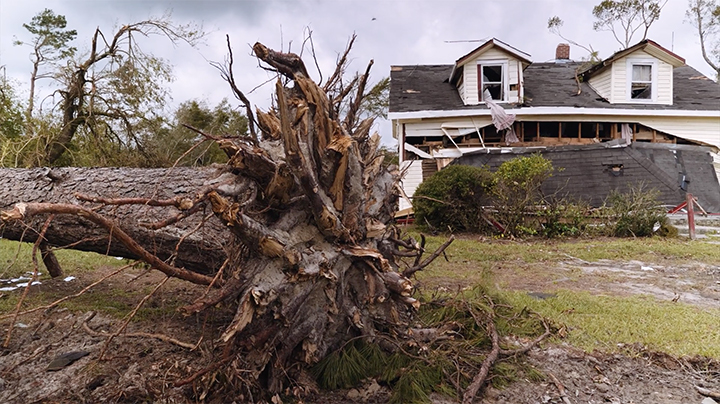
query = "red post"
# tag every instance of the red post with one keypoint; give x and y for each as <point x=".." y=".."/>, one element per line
<point x="691" y="215"/>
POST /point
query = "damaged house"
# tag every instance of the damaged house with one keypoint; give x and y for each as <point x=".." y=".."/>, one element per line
<point x="641" y="115"/>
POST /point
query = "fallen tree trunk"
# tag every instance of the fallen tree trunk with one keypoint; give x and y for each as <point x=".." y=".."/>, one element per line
<point x="200" y="251"/>
<point x="304" y="214"/>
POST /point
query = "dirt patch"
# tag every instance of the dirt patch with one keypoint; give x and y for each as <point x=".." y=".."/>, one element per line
<point x="694" y="283"/>
<point x="596" y="378"/>
<point x="146" y="369"/>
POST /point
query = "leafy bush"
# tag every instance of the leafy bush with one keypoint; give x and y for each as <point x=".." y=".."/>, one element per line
<point x="635" y="213"/>
<point x="563" y="217"/>
<point x="516" y="187"/>
<point x="452" y="197"/>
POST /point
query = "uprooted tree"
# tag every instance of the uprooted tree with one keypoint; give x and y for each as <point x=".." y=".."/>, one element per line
<point x="294" y="230"/>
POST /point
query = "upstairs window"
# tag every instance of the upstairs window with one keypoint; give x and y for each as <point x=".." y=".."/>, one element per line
<point x="642" y="80"/>
<point x="641" y="85"/>
<point x="492" y="79"/>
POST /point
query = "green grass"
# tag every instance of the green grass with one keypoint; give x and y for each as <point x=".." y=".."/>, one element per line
<point x="607" y="323"/>
<point x="486" y="254"/>
<point x="16" y="259"/>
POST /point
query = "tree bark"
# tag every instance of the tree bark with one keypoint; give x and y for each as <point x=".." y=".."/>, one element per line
<point x="301" y="223"/>
<point x="201" y="251"/>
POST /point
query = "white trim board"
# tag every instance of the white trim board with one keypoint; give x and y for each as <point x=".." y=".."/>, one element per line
<point x="555" y="111"/>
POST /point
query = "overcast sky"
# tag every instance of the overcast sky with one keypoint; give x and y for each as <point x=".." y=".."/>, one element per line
<point x="392" y="32"/>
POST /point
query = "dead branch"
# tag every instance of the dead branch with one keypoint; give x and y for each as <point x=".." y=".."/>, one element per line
<point x="226" y="72"/>
<point x="161" y="337"/>
<point x="534" y="343"/>
<point x="490" y="359"/>
<point x="288" y="64"/>
<point x="25" y="210"/>
<point x="180" y="203"/>
<point x="410" y="271"/>
<point x="496" y="351"/>
<point x="33" y="278"/>
<point x="339" y="67"/>
<point x="351" y="117"/>
<point x="173" y="219"/>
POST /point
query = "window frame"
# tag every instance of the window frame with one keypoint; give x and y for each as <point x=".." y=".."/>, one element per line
<point x="503" y="63"/>
<point x="632" y="62"/>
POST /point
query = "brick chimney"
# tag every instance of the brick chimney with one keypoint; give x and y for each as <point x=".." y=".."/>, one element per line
<point x="562" y="52"/>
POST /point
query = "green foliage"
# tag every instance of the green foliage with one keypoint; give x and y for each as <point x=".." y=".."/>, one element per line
<point x="634" y="213"/>
<point x="166" y="145"/>
<point x="377" y="100"/>
<point x="390" y="154"/>
<point x="417" y="370"/>
<point x="560" y="217"/>
<point x="51" y="39"/>
<point x="451" y="198"/>
<point x="113" y="98"/>
<point x="11" y="114"/>
<point x="516" y="187"/>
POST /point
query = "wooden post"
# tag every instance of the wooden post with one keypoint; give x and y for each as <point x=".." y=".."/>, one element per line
<point x="559" y="130"/>
<point x="537" y="134"/>
<point x="579" y="130"/>
<point x="691" y="215"/>
<point x="597" y="131"/>
<point x="654" y="139"/>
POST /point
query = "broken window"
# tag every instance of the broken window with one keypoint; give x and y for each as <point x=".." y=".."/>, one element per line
<point x="492" y="81"/>
<point x="641" y="84"/>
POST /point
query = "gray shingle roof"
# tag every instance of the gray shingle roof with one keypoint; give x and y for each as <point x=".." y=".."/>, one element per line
<point x="426" y="88"/>
<point x="583" y="172"/>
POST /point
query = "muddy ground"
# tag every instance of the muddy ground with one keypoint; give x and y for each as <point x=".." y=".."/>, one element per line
<point x="143" y="369"/>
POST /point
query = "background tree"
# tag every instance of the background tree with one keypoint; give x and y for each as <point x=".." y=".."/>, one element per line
<point x="50" y="45"/>
<point x="625" y="17"/>
<point x="705" y="16"/>
<point x="168" y="144"/>
<point x="11" y="115"/>
<point x="108" y="96"/>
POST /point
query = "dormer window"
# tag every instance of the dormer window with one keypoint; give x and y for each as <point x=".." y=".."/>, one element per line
<point x="642" y="80"/>
<point x="492" y="79"/>
<point x="641" y="86"/>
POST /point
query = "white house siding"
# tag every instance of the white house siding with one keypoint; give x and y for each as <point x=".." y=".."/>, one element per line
<point x="412" y="177"/>
<point x="461" y="90"/>
<point x="602" y="83"/>
<point x="618" y="92"/>
<point x="702" y="129"/>
<point x="619" y="87"/>
<point x="471" y="79"/>
<point x="716" y="163"/>
<point x="665" y="83"/>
